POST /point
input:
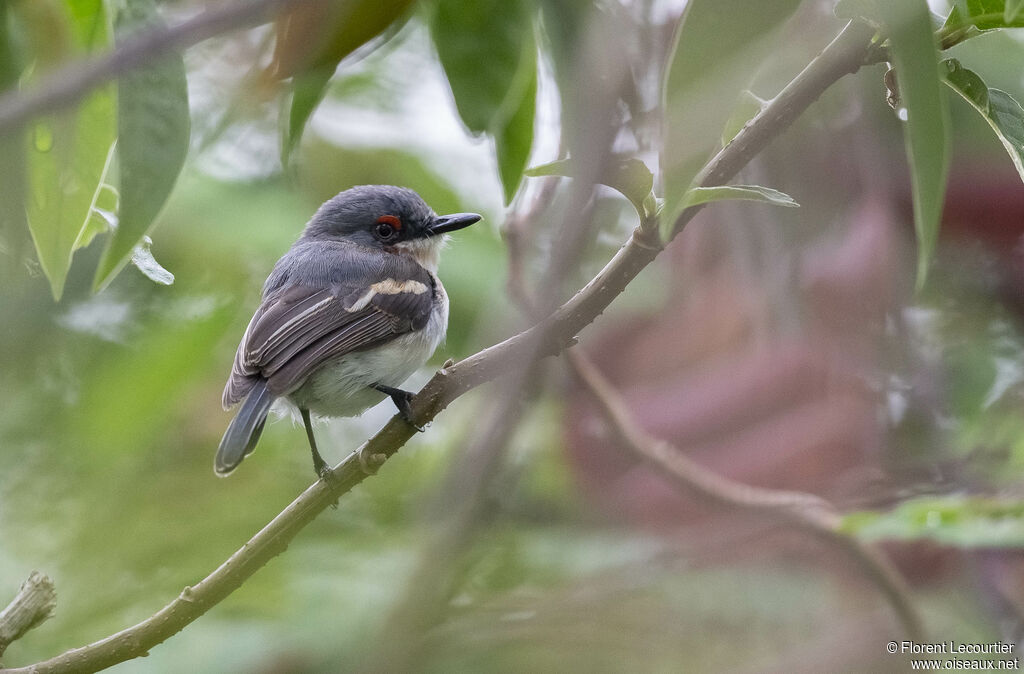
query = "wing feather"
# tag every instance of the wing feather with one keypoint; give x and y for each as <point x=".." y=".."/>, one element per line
<point x="363" y="302"/>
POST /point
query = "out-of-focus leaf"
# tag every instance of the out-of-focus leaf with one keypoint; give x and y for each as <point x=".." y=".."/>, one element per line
<point x="746" y="108"/>
<point x="907" y="24"/>
<point x="314" y="35"/>
<point x="629" y="176"/>
<point x="142" y="257"/>
<point x="953" y="520"/>
<point x="718" y="48"/>
<point x="66" y="158"/>
<point x="1002" y="112"/>
<point x="513" y="137"/>
<point x="488" y="53"/>
<point x="986" y="14"/>
<point x="312" y="39"/>
<point x="153" y="134"/>
<point x="308" y="90"/>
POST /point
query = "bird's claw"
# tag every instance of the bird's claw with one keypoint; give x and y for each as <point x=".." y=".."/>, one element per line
<point x="370" y="463"/>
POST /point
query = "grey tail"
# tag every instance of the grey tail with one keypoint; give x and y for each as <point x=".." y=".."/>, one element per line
<point x="244" y="430"/>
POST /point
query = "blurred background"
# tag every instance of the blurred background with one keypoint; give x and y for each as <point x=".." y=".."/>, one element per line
<point x="783" y="348"/>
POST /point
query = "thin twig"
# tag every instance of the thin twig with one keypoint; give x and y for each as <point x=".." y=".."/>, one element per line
<point x="559" y="329"/>
<point x="72" y="82"/>
<point x="33" y="604"/>
<point x="806" y="511"/>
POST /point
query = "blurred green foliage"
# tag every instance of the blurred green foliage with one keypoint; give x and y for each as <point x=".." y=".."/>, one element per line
<point x="109" y="404"/>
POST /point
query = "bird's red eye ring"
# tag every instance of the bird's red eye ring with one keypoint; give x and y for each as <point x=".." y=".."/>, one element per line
<point x="387" y="227"/>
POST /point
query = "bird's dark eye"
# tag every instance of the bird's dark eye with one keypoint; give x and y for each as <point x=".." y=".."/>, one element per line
<point x="387" y="227"/>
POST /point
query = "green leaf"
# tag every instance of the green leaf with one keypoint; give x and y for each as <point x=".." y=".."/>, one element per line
<point x="353" y="24"/>
<point x="696" y="196"/>
<point x="153" y="135"/>
<point x="986" y="14"/>
<point x="513" y="137"/>
<point x="1013" y="11"/>
<point x="629" y="176"/>
<point x="718" y="48"/>
<point x="308" y="90"/>
<point x="67" y="154"/>
<point x="1002" y="112"/>
<point x="908" y="26"/>
<point x="488" y="53"/>
<point x="703" y="195"/>
<point x="962" y="521"/>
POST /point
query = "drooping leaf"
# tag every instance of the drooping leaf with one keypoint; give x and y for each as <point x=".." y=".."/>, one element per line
<point x="312" y="39"/>
<point x="308" y="90"/>
<point x="719" y="46"/>
<point x="629" y="176"/>
<point x="488" y="53"/>
<point x="513" y="137"/>
<point x="67" y="154"/>
<point x="962" y="521"/>
<point x="1002" y="112"/>
<point x="153" y="128"/>
<point x="986" y="14"/>
<point x="922" y="99"/>
<point x="696" y="196"/>
<point x="317" y="35"/>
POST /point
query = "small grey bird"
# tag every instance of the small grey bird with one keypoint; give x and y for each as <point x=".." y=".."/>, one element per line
<point x="349" y="312"/>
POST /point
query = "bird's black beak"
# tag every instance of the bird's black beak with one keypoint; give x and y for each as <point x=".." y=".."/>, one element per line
<point x="443" y="224"/>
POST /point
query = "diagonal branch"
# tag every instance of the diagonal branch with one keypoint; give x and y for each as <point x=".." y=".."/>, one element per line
<point x="806" y="511"/>
<point x="549" y="337"/>
<point x="71" y="83"/>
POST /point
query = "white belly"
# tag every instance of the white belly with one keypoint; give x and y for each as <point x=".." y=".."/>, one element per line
<point x="342" y="387"/>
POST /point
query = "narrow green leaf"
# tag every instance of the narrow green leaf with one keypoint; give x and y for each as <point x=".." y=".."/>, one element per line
<point x="719" y="46"/>
<point x="703" y="195"/>
<point x="908" y="26"/>
<point x="487" y="50"/>
<point x="67" y="153"/>
<point x="629" y="176"/>
<point x="1002" y="112"/>
<point x="696" y="196"/>
<point x="308" y="90"/>
<point x="513" y="136"/>
<point x="962" y="521"/>
<point x="352" y="25"/>
<point x="153" y="135"/>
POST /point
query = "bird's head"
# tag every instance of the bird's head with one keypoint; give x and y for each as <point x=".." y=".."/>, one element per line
<point x="394" y="219"/>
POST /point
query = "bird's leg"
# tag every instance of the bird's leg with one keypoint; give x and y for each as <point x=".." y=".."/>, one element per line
<point x="401" y="399"/>
<point x="319" y="465"/>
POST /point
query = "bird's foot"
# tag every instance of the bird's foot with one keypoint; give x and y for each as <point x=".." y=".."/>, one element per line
<point x="323" y="469"/>
<point x="370" y="462"/>
<point x="401" y="399"/>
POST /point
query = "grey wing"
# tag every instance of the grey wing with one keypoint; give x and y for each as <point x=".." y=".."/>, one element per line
<point x="298" y="328"/>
